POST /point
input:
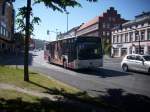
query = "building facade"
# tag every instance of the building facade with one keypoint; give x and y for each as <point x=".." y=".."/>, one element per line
<point x="71" y="33"/>
<point x="101" y="26"/>
<point x="7" y="15"/>
<point x="132" y="36"/>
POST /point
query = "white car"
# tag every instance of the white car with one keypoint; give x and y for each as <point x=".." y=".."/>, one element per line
<point x="136" y="62"/>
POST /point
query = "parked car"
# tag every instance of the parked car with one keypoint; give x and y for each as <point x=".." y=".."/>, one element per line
<point x="136" y="62"/>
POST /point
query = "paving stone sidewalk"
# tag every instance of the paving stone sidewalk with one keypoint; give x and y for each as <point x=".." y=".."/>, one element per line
<point x="30" y="92"/>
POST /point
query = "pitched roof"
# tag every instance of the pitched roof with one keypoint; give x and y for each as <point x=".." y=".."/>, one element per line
<point x="89" y="23"/>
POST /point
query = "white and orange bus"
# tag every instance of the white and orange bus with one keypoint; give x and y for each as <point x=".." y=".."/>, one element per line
<point x="46" y="50"/>
<point x="76" y="52"/>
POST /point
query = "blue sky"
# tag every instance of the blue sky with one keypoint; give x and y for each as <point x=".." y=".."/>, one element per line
<point x="56" y="21"/>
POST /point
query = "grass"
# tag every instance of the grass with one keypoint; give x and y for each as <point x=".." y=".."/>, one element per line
<point x="10" y="94"/>
<point x="42" y="83"/>
<point x="16" y="101"/>
<point x="12" y="101"/>
<point x="37" y="82"/>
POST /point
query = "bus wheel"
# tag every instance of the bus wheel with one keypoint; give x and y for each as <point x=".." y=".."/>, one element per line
<point x="64" y="64"/>
<point x="49" y="59"/>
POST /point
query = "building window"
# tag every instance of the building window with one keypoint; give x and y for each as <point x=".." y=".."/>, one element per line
<point x="108" y="25"/>
<point x="114" y="38"/>
<point x="3" y="31"/>
<point x="104" y="25"/>
<point x="148" y="50"/>
<point x="137" y="50"/>
<point x="148" y="34"/>
<point x="7" y="34"/>
<point x="109" y="19"/>
<point x="116" y="52"/>
<point x="117" y="39"/>
<point x="104" y="33"/>
<point x="143" y="35"/>
<point x="130" y="36"/>
<point x="130" y="50"/>
<point x="142" y="50"/>
<point x="126" y="37"/>
<point x="136" y="36"/>
<point x="123" y="51"/>
<point x="113" y="19"/>
<point x="0" y="30"/>
<point x="123" y="39"/>
<point x="108" y="34"/>
<point x="121" y="36"/>
<point x="3" y="46"/>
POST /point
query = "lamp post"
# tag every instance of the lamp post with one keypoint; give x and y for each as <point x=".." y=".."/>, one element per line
<point x="67" y="19"/>
<point x="56" y="32"/>
<point x="139" y="45"/>
<point x="139" y="41"/>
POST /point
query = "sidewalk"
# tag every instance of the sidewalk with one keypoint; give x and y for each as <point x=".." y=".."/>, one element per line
<point x="114" y="59"/>
<point x="4" y="86"/>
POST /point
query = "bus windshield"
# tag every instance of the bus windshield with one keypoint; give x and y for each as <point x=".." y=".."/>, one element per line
<point x="89" y="50"/>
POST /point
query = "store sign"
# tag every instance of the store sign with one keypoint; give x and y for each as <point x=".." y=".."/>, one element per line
<point x="119" y="45"/>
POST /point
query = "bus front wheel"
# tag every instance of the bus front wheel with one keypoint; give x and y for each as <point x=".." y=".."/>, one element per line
<point x="49" y="59"/>
<point x="64" y="64"/>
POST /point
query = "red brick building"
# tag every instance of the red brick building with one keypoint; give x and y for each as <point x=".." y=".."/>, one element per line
<point x="6" y="26"/>
<point x="101" y="26"/>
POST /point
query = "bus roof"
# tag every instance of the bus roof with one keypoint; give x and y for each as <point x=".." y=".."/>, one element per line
<point x="75" y="37"/>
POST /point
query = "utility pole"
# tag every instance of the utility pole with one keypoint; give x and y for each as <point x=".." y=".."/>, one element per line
<point x="67" y="19"/>
<point x="27" y="36"/>
<point x="139" y="41"/>
<point x="139" y="45"/>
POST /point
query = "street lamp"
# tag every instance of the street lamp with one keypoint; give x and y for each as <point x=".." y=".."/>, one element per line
<point x="139" y="41"/>
<point x="56" y="32"/>
<point x="67" y="19"/>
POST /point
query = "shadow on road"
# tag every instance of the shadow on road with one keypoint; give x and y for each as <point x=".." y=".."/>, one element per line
<point x="114" y="100"/>
<point x="42" y="105"/>
<point x="126" y="102"/>
<point x="117" y="100"/>
<point x="13" y="59"/>
<point x="138" y="72"/>
<point x="103" y="73"/>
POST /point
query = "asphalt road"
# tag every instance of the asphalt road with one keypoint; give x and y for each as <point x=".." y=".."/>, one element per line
<point x="96" y="82"/>
<point x="99" y="81"/>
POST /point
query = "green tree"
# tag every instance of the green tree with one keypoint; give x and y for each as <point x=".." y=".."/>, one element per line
<point x="19" y="38"/>
<point x="106" y="45"/>
<point x="56" y="5"/>
<point x="20" y="21"/>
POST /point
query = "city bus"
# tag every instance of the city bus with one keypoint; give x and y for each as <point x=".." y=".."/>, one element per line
<point x="46" y="50"/>
<point x="76" y="52"/>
